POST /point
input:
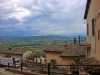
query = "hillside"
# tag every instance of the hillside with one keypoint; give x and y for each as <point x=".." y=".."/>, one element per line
<point x="35" y="43"/>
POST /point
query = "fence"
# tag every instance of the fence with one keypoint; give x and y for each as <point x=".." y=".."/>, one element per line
<point x="90" y="69"/>
<point x="55" y="70"/>
<point x="11" y="61"/>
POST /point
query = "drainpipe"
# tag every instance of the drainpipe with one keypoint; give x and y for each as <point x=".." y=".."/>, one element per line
<point x="74" y="41"/>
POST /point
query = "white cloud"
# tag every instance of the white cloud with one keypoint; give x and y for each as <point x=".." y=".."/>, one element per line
<point x="19" y="13"/>
<point x="44" y="16"/>
<point x="57" y="29"/>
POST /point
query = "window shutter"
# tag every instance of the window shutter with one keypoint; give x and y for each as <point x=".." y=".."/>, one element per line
<point x="87" y="29"/>
<point x="93" y="30"/>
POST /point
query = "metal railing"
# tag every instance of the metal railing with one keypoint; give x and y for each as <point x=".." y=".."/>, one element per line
<point x="48" y="69"/>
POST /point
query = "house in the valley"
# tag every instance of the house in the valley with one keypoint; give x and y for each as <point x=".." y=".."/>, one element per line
<point x="92" y="16"/>
<point x="66" y="55"/>
<point x="53" y="51"/>
<point x="73" y="56"/>
<point x="18" y="53"/>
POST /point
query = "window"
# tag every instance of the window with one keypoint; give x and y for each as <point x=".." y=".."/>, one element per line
<point x="93" y="30"/>
<point x="99" y="34"/>
<point x="87" y="29"/>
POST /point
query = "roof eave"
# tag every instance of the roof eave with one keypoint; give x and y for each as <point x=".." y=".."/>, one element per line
<point x="73" y="56"/>
<point x="87" y="8"/>
<point x="53" y="51"/>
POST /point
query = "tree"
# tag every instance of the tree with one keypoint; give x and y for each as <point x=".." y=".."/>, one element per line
<point x="53" y="62"/>
<point x="32" y="56"/>
<point x="37" y="54"/>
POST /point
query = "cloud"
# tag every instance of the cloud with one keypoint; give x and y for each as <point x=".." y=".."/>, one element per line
<point x="19" y="13"/>
<point x="42" y="17"/>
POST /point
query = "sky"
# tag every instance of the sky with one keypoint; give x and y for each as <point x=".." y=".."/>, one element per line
<point x="42" y="17"/>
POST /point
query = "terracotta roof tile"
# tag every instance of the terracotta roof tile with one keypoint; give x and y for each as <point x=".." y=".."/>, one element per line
<point x="74" y="50"/>
<point x="91" y="61"/>
<point x="56" y="48"/>
<point x="4" y="49"/>
<point x="67" y="50"/>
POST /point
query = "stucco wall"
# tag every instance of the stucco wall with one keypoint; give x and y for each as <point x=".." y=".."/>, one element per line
<point x="68" y="61"/>
<point x="2" y="55"/>
<point x="23" y="57"/>
<point x="90" y="38"/>
<point x="11" y="55"/>
<point x="97" y="17"/>
<point x="15" y="56"/>
<point x="53" y="55"/>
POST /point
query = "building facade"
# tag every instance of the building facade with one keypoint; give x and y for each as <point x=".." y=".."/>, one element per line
<point x="97" y="28"/>
<point x="92" y="16"/>
<point x="14" y="52"/>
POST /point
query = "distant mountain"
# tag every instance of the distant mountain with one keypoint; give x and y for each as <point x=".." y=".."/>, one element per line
<point x="50" y="36"/>
<point x="9" y="36"/>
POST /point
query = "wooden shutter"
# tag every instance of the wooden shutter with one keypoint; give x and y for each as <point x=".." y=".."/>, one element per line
<point x="93" y="30"/>
<point x="87" y="29"/>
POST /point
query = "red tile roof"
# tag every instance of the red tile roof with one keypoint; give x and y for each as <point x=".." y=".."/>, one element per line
<point x="56" y="48"/>
<point x="74" y="50"/>
<point x="67" y="50"/>
<point x="91" y="61"/>
<point x="8" y="50"/>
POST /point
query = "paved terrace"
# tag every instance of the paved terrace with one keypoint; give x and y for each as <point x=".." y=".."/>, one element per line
<point x="25" y="71"/>
<point x="3" y="72"/>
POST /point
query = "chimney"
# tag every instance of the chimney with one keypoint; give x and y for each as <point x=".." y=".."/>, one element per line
<point x="65" y="46"/>
<point x="49" y="44"/>
<point x="74" y="41"/>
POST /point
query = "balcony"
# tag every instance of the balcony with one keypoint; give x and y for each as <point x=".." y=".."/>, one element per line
<point x="84" y="44"/>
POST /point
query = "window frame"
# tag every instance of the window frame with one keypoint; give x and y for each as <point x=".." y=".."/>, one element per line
<point x="87" y="29"/>
<point x="93" y="28"/>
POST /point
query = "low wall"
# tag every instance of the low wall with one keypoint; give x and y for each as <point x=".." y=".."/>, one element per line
<point x="20" y="72"/>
